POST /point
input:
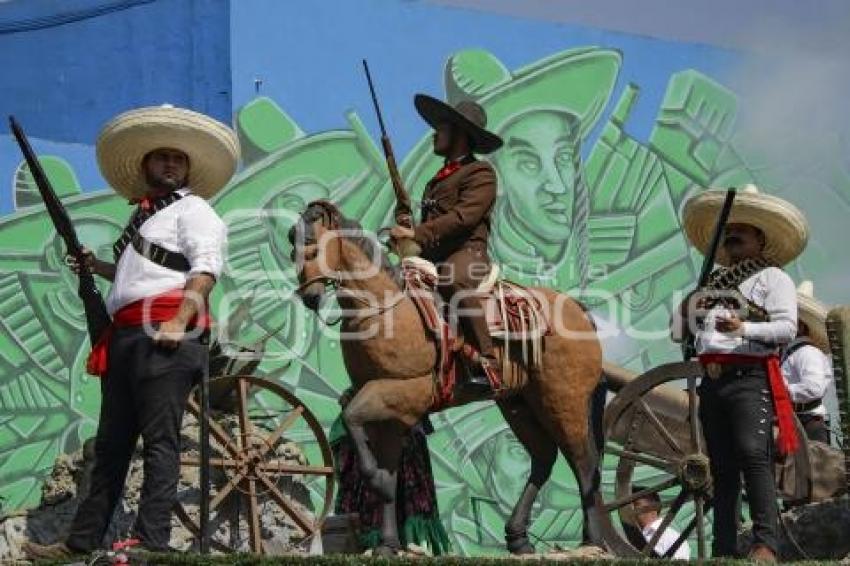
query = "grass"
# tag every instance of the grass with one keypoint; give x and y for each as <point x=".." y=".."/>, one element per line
<point x="348" y="560"/>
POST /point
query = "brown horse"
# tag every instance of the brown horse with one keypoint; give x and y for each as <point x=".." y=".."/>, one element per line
<point x="391" y="366"/>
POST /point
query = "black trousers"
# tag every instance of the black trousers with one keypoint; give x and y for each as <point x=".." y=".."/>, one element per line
<point x="144" y="394"/>
<point x="736" y="411"/>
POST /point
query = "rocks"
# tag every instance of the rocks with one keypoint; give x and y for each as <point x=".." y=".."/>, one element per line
<point x="816" y="531"/>
<point x="69" y="482"/>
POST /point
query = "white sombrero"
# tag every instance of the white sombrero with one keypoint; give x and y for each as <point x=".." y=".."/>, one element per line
<point x="212" y="148"/>
<point x="785" y="228"/>
<point x="812" y="312"/>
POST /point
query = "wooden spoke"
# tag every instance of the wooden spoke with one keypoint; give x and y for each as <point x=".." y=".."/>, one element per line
<point x="300" y="519"/>
<point x="668" y="518"/>
<point x="658" y="425"/>
<point x="215" y="429"/>
<point x="295" y="469"/>
<point x="699" y="504"/>
<point x="254" y="518"/>
<point x="225" y="490"/>
<point x="623" y="501"/>
<point x="696" y="433"/>
<point x="217" y="462"/>
<point x="281" y="428"/>
<point x="653" y="461"/>
<point x="245" y="425"/>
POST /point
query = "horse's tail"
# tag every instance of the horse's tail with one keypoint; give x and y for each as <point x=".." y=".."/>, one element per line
<point x="599" y="396"/>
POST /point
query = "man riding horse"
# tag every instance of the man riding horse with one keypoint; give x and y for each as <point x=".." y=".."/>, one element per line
<point x="456" y="209"/>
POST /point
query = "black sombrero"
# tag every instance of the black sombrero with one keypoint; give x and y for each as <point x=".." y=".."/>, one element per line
<point x="466" y="114"/>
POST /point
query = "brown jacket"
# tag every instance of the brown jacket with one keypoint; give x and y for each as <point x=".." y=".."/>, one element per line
<point x="456" y="211"/>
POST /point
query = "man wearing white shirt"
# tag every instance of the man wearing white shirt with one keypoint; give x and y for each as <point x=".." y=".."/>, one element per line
<point x="749" y="311"/>
<point x="806" y="367"/>
<point x="167" y="161"/>
<point x="647" y="511"/>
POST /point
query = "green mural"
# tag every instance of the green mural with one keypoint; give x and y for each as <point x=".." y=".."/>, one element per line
<point x="600" y="221"/>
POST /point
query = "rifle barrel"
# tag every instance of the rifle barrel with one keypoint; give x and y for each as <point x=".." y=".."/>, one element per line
<point x="375" y="99"/>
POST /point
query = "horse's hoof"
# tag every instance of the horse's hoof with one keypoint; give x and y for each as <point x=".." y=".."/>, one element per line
<point x="385" y="551"/>
<point x="524" y="548"/>
<point x="518" y="544"/>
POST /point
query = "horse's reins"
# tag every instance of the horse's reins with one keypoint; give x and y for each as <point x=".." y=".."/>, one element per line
<point x="335" y="282"/>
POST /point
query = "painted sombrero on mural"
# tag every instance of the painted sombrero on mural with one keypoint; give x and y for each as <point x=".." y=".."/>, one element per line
<point x="578" y="82"/>
<point x="212" y="148"/>
<point x="785" y="228"/>
<point x="813" y="313"/>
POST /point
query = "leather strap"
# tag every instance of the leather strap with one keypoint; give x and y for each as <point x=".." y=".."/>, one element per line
<point x="159" y="255"/>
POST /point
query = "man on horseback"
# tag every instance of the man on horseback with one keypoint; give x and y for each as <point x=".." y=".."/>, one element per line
<point x="455" y="227"/>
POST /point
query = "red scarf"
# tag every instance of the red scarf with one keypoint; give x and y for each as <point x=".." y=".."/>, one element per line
<point x="158" y="308"/>
<point x="447" y="170"/>
<point x="787" y="441"/>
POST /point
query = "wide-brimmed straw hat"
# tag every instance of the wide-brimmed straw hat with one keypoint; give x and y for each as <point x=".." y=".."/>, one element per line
<point x="212" y="148"/>
<point x="466" y="114"/>
<point x="785" y="228"/>
<point x="813" y="313"/>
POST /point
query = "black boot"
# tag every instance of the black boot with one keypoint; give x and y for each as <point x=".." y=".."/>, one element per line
<point x="476" y="380"/>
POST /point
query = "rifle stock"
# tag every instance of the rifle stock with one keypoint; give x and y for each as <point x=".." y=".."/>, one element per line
<point x="688" y="346"/>
<point x="403" y="207"/>
<point x="97" y="317"/>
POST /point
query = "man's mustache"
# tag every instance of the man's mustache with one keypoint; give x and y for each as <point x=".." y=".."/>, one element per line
<point x="732" y="240"/>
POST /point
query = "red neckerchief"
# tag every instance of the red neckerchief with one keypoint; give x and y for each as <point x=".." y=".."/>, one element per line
<point x="146" y="202"/>
<point x="787" y="440"/>
<point x="158" y="308"/>
<point x="450" y="167"/>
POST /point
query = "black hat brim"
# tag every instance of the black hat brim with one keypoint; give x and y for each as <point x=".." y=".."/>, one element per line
<point x="436" y="112"/>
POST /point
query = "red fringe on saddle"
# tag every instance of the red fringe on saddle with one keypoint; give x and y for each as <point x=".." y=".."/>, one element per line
<point x="419" y="286"/>
<point x="513" y="314"/>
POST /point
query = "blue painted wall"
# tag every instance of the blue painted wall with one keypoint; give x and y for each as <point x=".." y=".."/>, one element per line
<point x="69" y="66"/>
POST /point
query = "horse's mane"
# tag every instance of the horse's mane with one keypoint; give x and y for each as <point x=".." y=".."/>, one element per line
<point x="331" y="217"/>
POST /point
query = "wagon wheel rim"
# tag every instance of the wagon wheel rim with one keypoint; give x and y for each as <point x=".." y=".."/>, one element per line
<point x="682" y="465"/>
<point x="252" y="469"/>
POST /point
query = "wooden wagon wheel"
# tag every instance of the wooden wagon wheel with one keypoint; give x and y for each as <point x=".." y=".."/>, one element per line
<point x="271" y="468"/>
<point x="653" y="422"/>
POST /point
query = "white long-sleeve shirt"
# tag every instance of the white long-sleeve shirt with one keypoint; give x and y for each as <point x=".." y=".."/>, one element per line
<point x="771" y="289"/>
<point x="807" y="372"/>
<point x="666" y="540"/>
<point x="189" y="226"/>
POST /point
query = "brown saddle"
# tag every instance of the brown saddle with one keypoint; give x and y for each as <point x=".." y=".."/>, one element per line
<point x="515" y="317"/>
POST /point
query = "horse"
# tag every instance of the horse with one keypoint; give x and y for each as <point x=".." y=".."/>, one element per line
<point x="391" y="365"/>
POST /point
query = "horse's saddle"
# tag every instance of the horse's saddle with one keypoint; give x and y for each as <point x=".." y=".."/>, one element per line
<point x="514" y="315"/>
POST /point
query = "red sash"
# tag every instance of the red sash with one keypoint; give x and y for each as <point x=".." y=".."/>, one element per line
<point x="787" y="441"/>
<point x="158" y="308"/>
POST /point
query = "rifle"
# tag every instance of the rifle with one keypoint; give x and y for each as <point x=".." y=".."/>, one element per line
<point x="403" y="209"/>
<point x="688" y="346"/>
<point x="97" y="317"/>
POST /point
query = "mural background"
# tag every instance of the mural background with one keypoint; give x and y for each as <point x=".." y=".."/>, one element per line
<point x="608" y="134"/>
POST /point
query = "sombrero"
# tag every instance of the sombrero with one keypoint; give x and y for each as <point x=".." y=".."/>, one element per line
<point x="578" y="82"/>
<point x="212" y="148"/>
<point x="466" y="114"/>
<point x="813" y="313"/>
<point x="785" y="228"/>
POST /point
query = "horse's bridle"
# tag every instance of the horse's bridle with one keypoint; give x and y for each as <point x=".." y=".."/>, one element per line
<point x="331" y="220"/>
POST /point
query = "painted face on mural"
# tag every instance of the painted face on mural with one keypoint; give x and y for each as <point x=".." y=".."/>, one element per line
<point x="537" y="171"/>
<point x="283" y="211"/>
<point x="166" y="169"/>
